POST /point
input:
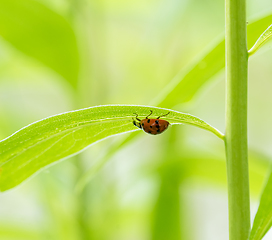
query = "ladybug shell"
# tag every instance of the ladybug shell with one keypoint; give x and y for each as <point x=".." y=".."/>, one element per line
<point x="154" y="126"/>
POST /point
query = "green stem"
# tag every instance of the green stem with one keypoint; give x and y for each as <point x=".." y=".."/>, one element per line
<point x="236" y="120"/>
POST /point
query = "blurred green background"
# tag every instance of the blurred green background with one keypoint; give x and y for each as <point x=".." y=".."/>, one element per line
<point x="61" y="55"/>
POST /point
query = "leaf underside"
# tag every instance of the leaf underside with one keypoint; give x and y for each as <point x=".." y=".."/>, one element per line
<point x="51" y="139"/>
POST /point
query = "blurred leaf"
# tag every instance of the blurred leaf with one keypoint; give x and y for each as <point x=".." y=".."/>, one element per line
<point x="87" y="176"/>
<point x="15" y="232"/>
<point x="263" y="219"/>
<point x="205" y="167"/>
<point x="57" y="137"/>
<point x="167" y="209"/>
<point x="190" y="79"/>
<point x="42" y="34"/>
<point x="261" y="40"/>
<point x="213" y="171"/>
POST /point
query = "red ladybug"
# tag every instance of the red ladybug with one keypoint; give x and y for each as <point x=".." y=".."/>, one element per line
<point x="151" y="125"/>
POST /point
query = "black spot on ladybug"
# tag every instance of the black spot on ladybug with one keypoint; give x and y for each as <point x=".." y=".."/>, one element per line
<point x="158" y="126"/>
<point x="158" y="131"/>
<point x="150" y="126"/>
<point x="149" y="131"/>
<point x="142" y="124"/>
<point x="157" y="121"/>
<point x="148" y="121"/>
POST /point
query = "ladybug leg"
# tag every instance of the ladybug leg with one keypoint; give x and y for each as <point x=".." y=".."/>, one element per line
<point x="149" y="114"/>
<point x="137" y="117"/>
<point x="163" y="115"/>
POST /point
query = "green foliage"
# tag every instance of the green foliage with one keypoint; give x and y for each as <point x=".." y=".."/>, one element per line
<point x="41" y="33"/>
<point x="60" y="136"/>
<point x="110" y="32"/>
<point x="15" y="232"/>
<point x="265" y="36"/>
<point x="192" y="78"/>
<point x="263" y="219"/>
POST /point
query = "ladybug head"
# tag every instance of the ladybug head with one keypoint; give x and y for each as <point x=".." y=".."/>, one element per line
<point x="137" y="123"/>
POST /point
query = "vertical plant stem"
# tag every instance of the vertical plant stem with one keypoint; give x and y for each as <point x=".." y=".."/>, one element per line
<point x="236" y="120"/>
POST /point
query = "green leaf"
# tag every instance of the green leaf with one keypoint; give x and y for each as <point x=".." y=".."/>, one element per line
<point x="57" y="137"/>
<point x="13" y="232"/>
<point x="193" y="77"/>
<point x="190" y="79"/>
<point x="42" y="34"/>
<point x="263" y="219"/>
<point x="261" y="40"/>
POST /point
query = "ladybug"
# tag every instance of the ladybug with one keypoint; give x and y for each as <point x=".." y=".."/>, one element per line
<point x="151" y="125"/>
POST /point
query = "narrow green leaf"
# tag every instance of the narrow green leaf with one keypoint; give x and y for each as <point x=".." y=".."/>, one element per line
<point x="263" y="219"/>
<point x="261" y="40"/>
<point x="193" y="77"/>
<point x="190" y="79"/>
<point x="42" y="34"/>
<point x="57" y="137"/>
